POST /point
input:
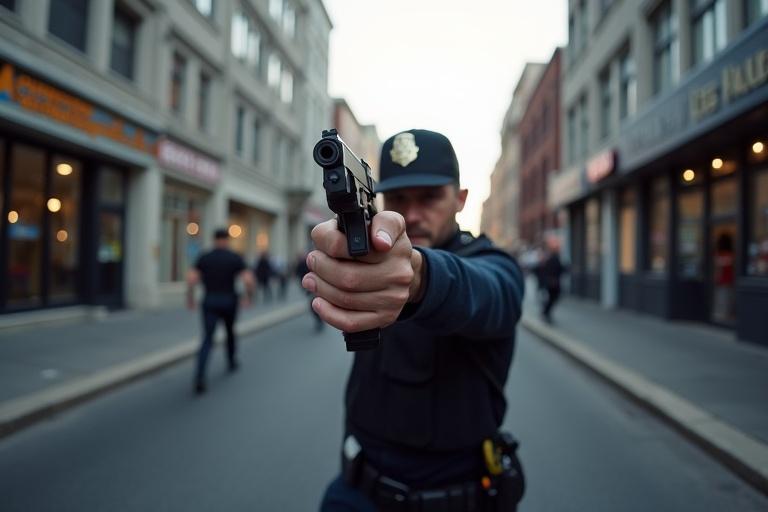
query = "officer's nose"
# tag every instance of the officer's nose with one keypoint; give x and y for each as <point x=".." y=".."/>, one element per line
<point x="412" y="214"/>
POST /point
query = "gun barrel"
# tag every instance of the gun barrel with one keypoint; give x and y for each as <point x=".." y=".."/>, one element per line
<point x="327" y="153"/>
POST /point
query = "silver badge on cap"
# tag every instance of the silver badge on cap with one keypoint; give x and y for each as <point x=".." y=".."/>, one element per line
<point x="404" y="149"/>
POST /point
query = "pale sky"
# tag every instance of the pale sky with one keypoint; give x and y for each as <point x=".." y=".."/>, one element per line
<point x="443" y="65"/>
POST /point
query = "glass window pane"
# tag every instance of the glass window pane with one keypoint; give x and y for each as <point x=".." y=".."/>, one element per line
<point x="725" y="195"/>
<point x="25" y="228"/>
<point x="178" y="73"/>
<point x="181" y="242"/>
<point x="111" y="187"/>
<point x="64" y="228"/>
<point x="628" y="233"/>
<point x="593" y="236"/>
<point x="757" y="249"/>
<point x="690" y="242"/>
<point x="658" y="225"/>
<point x="204" y="93"/>
<point x="68" y="20"/>
<point x="110" y="254"/>
<point x="123" y="41"/>
<point x="205" y="7"/>
<point x="2" y="181"/>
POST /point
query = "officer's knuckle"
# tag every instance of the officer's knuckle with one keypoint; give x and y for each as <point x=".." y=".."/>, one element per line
<point x="346" y="300"/>
<point x="349" y="281"/>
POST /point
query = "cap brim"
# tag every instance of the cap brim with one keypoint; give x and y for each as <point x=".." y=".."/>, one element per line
<point x="413" y="180"/>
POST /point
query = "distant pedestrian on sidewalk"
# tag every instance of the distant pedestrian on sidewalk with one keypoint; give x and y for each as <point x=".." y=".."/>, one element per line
<point x="218" y="270"/>
<point x="264" y="273"/>
<point x="549" y="272"/>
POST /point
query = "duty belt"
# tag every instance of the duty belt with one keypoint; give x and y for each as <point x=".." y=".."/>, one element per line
<point x="393" y="496"/>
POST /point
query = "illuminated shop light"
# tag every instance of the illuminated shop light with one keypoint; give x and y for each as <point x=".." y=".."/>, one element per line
<point x="235" y="231"/>
<point x="758" y="147"/>
<point x="717" y="163"/>
<point x="62" y="235"/>
<point x="193" y="228"/>
<point x="689" y="175"/>
<point x="13" y="216"/>
<point x="64" y="169"/>
<point x="54" y="204"/>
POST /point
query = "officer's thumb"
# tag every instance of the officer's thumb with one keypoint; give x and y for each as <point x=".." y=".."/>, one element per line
<point x="386" y="228"/>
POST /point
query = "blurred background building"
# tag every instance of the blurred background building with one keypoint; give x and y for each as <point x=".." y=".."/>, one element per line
<point x="130" y="130"/>
<point x="500" y="215"/>
<point x="539" y="155"/>
<point x="665" y="166"/>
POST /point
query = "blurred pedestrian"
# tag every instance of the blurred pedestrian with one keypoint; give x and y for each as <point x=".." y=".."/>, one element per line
<point x="549" y="272"/>
<point x="280" y="268"/>
<point x="218" y="270"/>
<point x="301" y="269"/>
<point x="264" y="273"/>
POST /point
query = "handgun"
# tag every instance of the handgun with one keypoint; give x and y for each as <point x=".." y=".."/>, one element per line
<point x="349" y="190"/>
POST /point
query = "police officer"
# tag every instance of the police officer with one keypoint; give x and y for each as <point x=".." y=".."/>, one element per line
<point x="424" y="409"/>
<point x="218" y="269"/>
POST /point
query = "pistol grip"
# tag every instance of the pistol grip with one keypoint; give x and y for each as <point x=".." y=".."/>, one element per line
<point x="355" y="226"/>
<point x="363" y="340"/>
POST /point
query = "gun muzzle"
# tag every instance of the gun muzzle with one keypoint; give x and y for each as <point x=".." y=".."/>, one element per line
<point x="327" y="153"/>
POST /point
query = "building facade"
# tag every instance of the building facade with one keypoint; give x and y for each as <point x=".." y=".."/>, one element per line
<point x="499" y="217"/>
<point x="540" y="154"/>
<point x="130" y="130"/>
<point x="665" y="176"/>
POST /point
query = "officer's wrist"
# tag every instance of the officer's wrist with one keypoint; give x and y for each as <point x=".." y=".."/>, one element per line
<point x="418" y="283"/>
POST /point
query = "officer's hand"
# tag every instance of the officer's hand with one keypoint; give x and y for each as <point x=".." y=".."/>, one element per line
<point x="368" y="292"/>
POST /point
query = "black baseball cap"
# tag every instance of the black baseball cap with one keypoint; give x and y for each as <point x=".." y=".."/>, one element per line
<point x="417" y="158"/>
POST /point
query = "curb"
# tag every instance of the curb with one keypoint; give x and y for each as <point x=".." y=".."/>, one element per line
<point x="744" y="455"/>
<point x="22" y="412"/>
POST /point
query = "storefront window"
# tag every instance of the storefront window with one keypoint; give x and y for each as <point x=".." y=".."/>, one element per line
<point x="690" y="237"/>
<point x="757" y="248"/>
<point x="2" y="179"/>
<point x="658" y="224"/>
<point x="111" y="187"/>
<point x="64" y="231"/>
<point x="182" y="232"/>
<point x="239" y="229"/>
<point x="593" y="236"/>
<point x="725" y="194"/>
<point x="628" y="233"/>
<point x="25" y="226"/>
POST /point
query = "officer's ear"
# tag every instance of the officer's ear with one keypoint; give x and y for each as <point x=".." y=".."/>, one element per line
<point x="461" y="198"/>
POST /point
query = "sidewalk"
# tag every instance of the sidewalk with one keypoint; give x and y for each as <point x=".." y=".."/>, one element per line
<point x="48" y="368"/>
<point x="708" y="385"/>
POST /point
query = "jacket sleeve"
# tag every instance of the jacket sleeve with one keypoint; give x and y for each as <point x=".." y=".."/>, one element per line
<point x="478" y="297"/>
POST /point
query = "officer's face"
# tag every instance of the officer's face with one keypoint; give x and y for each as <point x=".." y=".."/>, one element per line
<point x="429" y="212"/>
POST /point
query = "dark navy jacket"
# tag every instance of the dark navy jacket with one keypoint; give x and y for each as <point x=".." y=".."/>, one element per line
<point x="423" y="390"/>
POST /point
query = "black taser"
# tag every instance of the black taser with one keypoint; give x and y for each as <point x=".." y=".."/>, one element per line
<point x="349" y="190"/>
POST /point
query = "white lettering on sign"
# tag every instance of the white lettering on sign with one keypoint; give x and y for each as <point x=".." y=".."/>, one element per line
<point x="188" y="161"/>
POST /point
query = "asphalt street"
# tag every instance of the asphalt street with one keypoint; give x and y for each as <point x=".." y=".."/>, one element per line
<point x="267" y="439"/>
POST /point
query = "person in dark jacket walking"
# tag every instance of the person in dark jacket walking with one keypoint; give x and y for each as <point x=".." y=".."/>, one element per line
<point x="549" y="272"/>
<point x="264" y="272"/>
<point x="218" y="270"/>
<point x="423" y="410"/>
